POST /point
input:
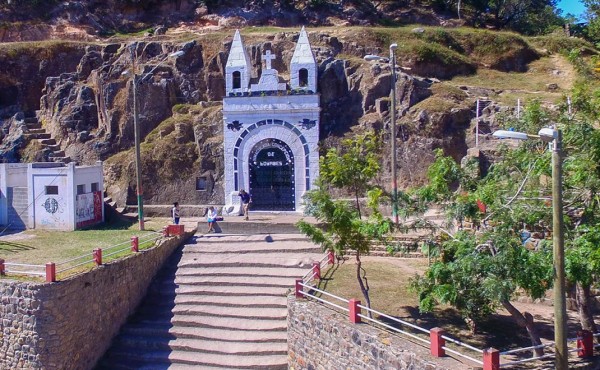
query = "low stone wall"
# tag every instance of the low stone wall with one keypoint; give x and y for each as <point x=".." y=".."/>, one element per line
<point x="320" y="338"/>
<point x="70" y="324"/>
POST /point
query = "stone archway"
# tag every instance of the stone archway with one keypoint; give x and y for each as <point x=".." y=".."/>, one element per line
<point x="271" y="176"/>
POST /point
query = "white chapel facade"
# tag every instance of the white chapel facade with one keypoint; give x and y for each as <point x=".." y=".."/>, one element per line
<point x="270" y="129"/>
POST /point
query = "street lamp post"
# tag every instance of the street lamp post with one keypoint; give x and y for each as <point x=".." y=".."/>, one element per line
<point x="554" y="137"/>
<point x="392" y="61"/>
<point x="136" y="128"/>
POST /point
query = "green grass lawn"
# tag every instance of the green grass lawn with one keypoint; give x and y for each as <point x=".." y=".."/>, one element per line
<point x="41" y="246"/>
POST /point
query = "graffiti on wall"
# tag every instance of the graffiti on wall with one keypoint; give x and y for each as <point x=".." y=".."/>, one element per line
<point x="88" y="209"/>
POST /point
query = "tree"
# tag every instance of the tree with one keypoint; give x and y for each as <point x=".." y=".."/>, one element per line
<point x="492" y="261"/>
<point x="344" y="227"/>
<point x="481" y="271"/>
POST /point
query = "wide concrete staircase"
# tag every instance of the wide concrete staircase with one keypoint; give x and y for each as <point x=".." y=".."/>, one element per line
<point x="219" y="303"/>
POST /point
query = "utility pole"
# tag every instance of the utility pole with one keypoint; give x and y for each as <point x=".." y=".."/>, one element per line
<point x="560" y="306"/>
<point x="393" y="48"/>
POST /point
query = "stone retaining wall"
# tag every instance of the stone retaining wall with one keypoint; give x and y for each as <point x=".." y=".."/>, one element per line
<point x="320" y="338"/>
<point x="70" y="324"/>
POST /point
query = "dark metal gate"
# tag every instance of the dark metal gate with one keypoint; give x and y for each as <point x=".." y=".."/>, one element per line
<point x="272" y="176"/>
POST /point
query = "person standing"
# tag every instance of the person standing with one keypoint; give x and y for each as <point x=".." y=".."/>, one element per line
<point x="246" y="199"/>
<point x="211" y="218"/>
<point x="175" y="213"/>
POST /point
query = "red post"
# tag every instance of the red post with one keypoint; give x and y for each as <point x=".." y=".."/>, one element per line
<point x="491" y="359"/>
<point x="354" y="311"/>
<point x="135" y="244"/>
<point x="585" y="343"/>
<point x="166" y="231"/>
<point x="437" y="342"/>
<point x="2" y="270"/>
<point x="299" y="288"/>
<point x="317" y="270"/>
<point x="50" y="272"/>
<point x="176" y="229"/>
<point x="97" y="256"/>
<point x="330" y="258"/>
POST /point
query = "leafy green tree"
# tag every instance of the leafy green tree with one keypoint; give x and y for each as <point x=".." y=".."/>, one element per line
<point x="481" y="271"/>
<point x="344" y="227"/>
<point x="517" y="192"/>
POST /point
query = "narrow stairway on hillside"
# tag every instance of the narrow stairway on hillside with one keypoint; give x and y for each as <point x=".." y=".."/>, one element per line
<point x="219" y="303"/>
<point x="49" y="148"/>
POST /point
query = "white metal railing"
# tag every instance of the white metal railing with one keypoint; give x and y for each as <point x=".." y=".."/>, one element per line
<point x="20" y="266"/>
<point x="311" y="274"/>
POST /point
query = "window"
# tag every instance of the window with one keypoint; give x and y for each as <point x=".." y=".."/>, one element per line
<point x="51" y="190"/>
<point x="81" y="189"/>
<point x="201" y="183"/>
<point x="303" y="77"/>
<point x="237" y="80"/>
<point x="95" y="186"/>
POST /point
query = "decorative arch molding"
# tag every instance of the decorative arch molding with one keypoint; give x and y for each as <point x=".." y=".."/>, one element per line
<point x="276" y="129"/>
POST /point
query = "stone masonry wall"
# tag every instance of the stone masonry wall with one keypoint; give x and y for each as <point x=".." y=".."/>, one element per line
<point x="70" y="324"/>
<point x="320" y="338"/>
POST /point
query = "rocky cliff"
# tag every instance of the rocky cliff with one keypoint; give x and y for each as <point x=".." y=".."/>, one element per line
<point x="86" y="99"/>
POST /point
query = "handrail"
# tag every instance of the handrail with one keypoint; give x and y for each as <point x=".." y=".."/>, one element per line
<point x="26" y="272"/>
<point x="22" y="265"/>
<point x="324" y="301"/>
<point x="356" y="313"/>
<point x="74" y="266"/>
<point x="395" y="319"/>
<point x="527" y="360"/>
<point x="324" y="292"/>
<point x="463" y="355"/>
<point x="463" y="344"/>
<point x="393" y="328"/>
<point x="523" y="349"/>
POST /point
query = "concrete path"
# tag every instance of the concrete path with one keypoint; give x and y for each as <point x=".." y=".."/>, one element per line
<point x="219" y="303"/>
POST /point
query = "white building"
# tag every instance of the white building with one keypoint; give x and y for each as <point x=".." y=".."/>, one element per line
<point x="51" y="196"/>
<point x="271" y="129"/>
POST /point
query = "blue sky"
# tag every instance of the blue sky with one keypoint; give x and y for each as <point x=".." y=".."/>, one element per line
<point x="571" y="6"/>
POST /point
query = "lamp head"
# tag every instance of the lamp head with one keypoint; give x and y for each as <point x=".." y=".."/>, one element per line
<point x="505" y="134"/>
<point x="548" y="134"/>
<point x="373" y="57"/>
<point x="393" y="46"/>
<point x="177" y="54"/>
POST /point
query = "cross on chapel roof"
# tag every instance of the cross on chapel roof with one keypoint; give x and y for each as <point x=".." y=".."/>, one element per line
<point x="268" y="57"/>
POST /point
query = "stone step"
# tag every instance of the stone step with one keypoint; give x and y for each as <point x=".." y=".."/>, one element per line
<point x="166" y="290"/>
<point x="254" y="247"/>
<point x="225" y="335"/>
<point x="249" y="280"/>
<point x="31" y="120"/>
<point x="57" y="154"/>
<point x="61" y="159"/>
<point x="178" y="358"/>
<point x="33" y="125"/>
<point x="40" y="136"/>
<point x="225" y="301"/>
<point x="47" y="141"/>
<point x="226" y="239"/>
<point x="289" y="272"/>
<point x="230" y="323"/>
<point x="222" y="311"/>
<point x="211" y="345"/>
<point x="53" y="148"/>
<point x="227" y="259"/>
<point x="35" y="130"/>
<point x="237" y="225"/>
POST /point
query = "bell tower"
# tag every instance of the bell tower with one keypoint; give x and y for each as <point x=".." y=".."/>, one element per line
<point x="238" y="69"/>
<point x="303" y="67"/>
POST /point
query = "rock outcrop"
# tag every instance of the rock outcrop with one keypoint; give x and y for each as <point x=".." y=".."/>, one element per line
<point x="87" y="105"/>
